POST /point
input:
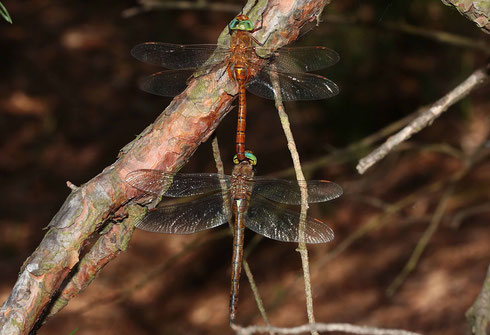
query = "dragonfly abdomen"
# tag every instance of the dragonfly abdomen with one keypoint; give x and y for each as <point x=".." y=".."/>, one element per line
<point x="236" y="264"/>
<point x="240" y="197"/>
<point x="240" y="76"/>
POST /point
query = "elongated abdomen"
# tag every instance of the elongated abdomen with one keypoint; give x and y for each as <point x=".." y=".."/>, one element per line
<point x="240" y="76"/>
<point x="236" y="263"/>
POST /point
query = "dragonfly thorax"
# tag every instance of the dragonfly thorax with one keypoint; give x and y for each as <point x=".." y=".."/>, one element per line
<point x="241" y="55"/>
<point x="241" y="41"/>
<point x="241" y="180"/>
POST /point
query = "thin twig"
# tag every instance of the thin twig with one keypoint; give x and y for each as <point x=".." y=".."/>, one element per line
<point x="378" y="221"/>
<point x="255" y="290"/>
<point x="304" y="197"/>
<point x="374" y="223"/>
<point x="251" y="245"/>
<point x="217" y="158"/>
<point x="434" y="224"/>
<point x="71" y="186"/>
<point x="459" y="217"/>
<point x="423" y="242"/>
<point x="149" y="5"/>
<point x="221" y="170"/>
<point x="349" y="153"/>
<point x="323" y="327"/>
<point x="127" y="292"/>
<point x="475" y="80"/>
<point x="439" y="36"/>
<point x="432" y="34"/>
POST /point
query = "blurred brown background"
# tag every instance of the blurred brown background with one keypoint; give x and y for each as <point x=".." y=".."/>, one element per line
<point x="69" y="101"/>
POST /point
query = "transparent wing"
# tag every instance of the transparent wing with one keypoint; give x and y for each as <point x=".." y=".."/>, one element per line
<point x="182" y="185"/>
<point x="167" y="83"/>
<point x="299" y="59"/>
<point x="185" y="218"/>
<point x="267" y="218"/>
<point x="288" y="191"/>
<point x="188" y="184"/>
<point x="177" y="56"/>
<point x="293" y="86"/>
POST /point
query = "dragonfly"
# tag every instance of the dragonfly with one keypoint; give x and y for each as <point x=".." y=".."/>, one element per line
<point x="258" y="203"/>
<point x="240" y="60"/>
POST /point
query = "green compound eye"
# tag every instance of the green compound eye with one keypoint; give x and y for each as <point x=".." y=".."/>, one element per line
<point x="233" y="24"/>
<point x="249" y="156"/>
<point x="237" y="24"/>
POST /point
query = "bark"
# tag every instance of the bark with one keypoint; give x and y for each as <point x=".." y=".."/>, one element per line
<point x="477" y="11"/>
<point x="166" y="144"/>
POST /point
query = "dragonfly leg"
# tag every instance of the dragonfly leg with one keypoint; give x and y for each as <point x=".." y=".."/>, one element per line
<point x="259" y="27"/>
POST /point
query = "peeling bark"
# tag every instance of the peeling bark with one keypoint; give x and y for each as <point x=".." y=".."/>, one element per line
<point x="113" y="240"/>
<point x="477" y="11"/>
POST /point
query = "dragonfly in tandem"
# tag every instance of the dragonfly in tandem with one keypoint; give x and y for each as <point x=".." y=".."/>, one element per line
<point x="241" y="61"/>
<point x="257" y="203"/>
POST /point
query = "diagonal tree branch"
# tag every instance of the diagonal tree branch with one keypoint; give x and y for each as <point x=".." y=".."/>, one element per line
<point x="477" y="79"/>
<point x="166" y="144"/>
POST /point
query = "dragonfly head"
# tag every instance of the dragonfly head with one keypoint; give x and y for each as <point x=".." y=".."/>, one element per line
<point x="249" y="156"/>
<point x="241" y="22"/>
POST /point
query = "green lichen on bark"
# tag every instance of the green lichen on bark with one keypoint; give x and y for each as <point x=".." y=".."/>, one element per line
<point x="135" y="214"/>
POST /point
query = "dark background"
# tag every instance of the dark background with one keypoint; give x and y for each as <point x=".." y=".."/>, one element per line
<point x="69" y="102"/>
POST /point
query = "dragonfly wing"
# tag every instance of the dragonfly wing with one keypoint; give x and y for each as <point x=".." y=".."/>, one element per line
<point x="289" y="192"/>
<point x="293" y="86"/>
<point x="167" y="83"/>
<point x="149" y="181"/>
<point x="177" y="56"/>
<point x="187" y="217"/>
<point x="178" y="185"/>
<point x="188" y="184"/>
<point x="300" y="59"/>
<point x="273" y="221"/>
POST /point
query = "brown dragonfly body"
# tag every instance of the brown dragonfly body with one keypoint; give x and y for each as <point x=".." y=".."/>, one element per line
<point x="240" y="196"/>
<point x="241" y="61"/>
<point x="241" y="50"/>
<point x="256" y="202"/>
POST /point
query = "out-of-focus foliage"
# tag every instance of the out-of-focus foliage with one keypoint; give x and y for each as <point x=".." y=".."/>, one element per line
<point x="5" y="14"/>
